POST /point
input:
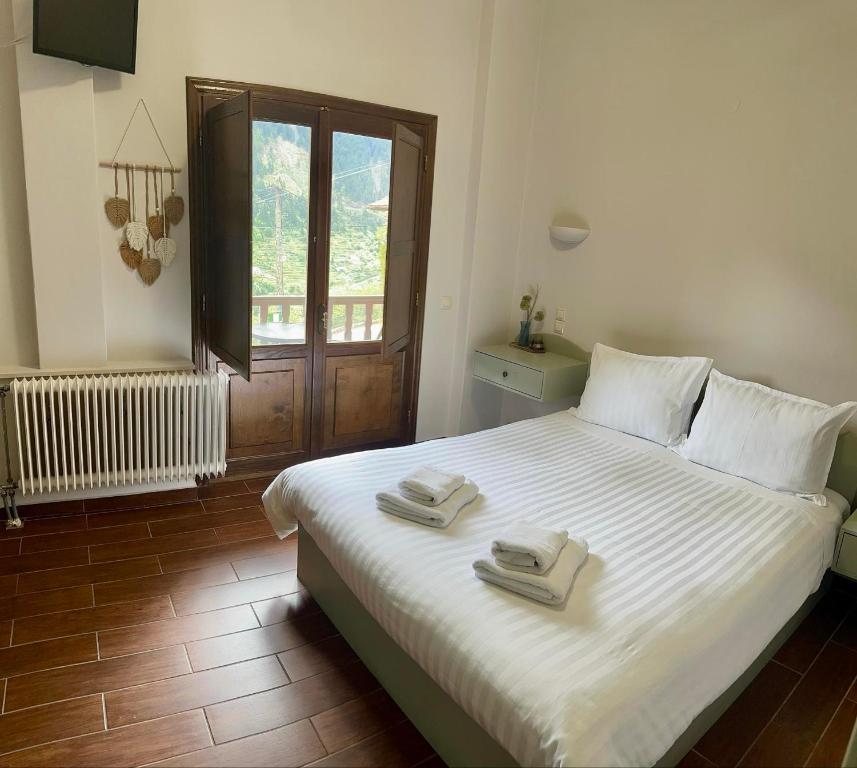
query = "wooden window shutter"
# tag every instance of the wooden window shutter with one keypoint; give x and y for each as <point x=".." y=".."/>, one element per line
<point x="229" y="218"/>
<point x="399" y="291"/>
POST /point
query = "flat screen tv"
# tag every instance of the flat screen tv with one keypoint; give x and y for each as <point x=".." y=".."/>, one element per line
<point x="102" y="33"/>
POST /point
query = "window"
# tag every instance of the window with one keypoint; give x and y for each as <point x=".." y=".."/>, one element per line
<point x="359" y="213"/>
<point x="280" y="238"/>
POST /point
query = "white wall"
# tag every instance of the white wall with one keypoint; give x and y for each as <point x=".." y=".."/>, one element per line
<point x="18" y="344"/>
<point x="410" y="54"/>
<point x="62" y="204"/>
<point x="510" y="54"/>
<point x="710" y="145"/>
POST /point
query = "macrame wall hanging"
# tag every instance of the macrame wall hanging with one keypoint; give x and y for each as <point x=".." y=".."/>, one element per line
<point x="146" y="244"/>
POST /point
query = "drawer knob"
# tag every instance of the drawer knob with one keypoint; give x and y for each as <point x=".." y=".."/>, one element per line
<point x="505" y="374"/>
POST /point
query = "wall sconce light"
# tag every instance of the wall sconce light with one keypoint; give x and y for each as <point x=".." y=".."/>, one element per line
<point x="566" y="235"/>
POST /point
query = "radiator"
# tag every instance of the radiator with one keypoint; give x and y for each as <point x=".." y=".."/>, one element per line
<point x="78" y="432"/>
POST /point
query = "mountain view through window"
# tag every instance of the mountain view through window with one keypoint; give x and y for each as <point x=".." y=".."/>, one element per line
<point x="358" y="234"/>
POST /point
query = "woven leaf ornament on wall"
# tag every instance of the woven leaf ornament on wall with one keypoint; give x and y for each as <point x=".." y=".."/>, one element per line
<point x="156" y="226"/>
<point x="136" y="234"/>
<point x="165" y="250"/>
<point x="118" y="209"/>
<point x="173" y="205"/>
<point x="149" y="270"/>
<point x="131" y="257"/>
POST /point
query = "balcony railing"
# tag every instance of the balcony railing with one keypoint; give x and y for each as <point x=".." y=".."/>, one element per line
<point x="290" y="328"/>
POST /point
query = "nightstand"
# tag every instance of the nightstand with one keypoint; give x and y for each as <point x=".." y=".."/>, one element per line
<point x="542" y="377"/>
<point x="845" y="559"/>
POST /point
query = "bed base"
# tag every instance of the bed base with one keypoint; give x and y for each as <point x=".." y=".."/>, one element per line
<point x="455" y="736"/>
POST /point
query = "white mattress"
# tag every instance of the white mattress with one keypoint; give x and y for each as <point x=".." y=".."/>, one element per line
<point x="690" y="574"/>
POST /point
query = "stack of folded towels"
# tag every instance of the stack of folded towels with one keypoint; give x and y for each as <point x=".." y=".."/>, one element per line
<point x="539" y="563"/>
<point x="429" y="496"/>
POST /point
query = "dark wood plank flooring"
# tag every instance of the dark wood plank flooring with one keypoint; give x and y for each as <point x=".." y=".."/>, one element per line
<point x="171" y="628"/>
<point x="157" y="628"/>
<point x="802" y="706"/>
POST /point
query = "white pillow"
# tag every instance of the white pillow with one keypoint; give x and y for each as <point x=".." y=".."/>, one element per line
<point x="651" y="397"/>
<point x="838" y="502"/>
<point x="781" y="441"/>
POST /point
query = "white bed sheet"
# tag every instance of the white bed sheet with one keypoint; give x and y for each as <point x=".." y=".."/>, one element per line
<point x="691" y="573"/>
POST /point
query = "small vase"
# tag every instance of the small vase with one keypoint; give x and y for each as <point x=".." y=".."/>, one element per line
<point x="524" y="334"/>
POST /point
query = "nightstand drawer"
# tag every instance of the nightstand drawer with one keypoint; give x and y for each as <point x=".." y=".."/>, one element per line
<point x="509" y="375"/>
<point x="846" y="557"/>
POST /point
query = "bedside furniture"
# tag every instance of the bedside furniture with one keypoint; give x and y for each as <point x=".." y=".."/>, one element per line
<point x="542" y="377"/>
<point x="845" y="558"/>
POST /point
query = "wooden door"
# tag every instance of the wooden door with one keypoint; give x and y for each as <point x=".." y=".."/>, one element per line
<point x="261" y="310"/>
<point x="268" y="415"/>
<point x="228" y="225"/>
<point x="401" y="288"/>
<point x="324" y="351"/>
<point x="362" y="401"/>
<point x="359" y="398"/>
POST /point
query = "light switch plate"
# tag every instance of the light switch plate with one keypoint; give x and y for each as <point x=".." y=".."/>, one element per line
<point x="446" y="302"/>
<point x="560" y="315"/>
<point x="559" y="327"/>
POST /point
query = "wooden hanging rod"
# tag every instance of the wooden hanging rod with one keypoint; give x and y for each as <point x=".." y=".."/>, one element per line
<point x="140" y="167"/>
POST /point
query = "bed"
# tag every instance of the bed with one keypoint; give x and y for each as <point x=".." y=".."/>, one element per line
<point x="694" y="579"/>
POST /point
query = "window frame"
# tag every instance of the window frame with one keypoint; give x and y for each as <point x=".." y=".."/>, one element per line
<point x="201" y="94"/>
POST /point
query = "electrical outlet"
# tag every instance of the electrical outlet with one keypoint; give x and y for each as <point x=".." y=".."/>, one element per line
<point x="560" y="315"/>
<point x="559" y="327"/>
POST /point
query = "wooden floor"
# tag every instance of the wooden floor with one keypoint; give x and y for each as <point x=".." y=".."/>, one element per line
<point x="801" y="708"/>
<point x="177" y="633"/>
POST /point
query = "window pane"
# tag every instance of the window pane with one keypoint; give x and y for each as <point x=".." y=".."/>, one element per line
<point x="358" y="237"/>
<point x="281" y="172"/>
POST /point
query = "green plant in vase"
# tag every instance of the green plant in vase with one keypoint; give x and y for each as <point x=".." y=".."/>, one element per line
<point x="531" y="314"/>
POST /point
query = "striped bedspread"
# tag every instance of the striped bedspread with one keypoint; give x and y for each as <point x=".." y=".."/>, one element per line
<point x="690" y="574"/>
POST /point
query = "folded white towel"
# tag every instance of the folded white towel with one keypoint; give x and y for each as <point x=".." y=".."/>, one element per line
<point x="438" y="516"/>
<point x="430" y="485"/>
<point x="551" y="588"/>
<point x="528" y="548"/>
